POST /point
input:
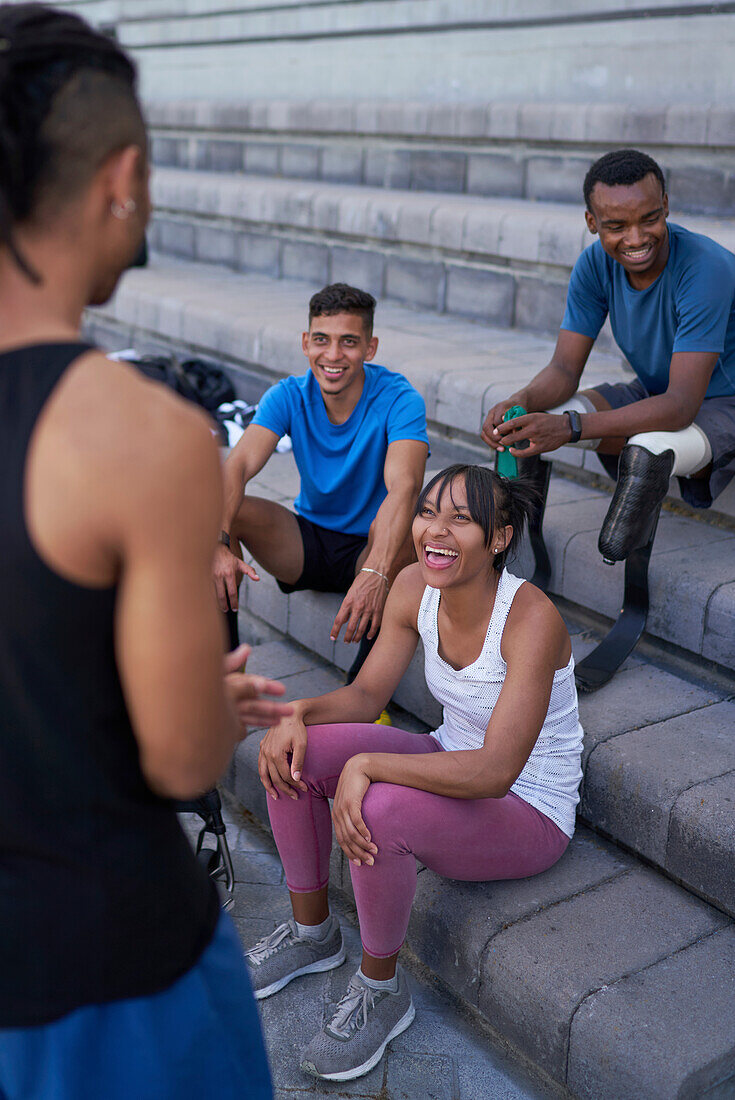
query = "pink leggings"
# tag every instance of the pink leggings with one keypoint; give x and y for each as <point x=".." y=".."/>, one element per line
<point x="474" y="839"/>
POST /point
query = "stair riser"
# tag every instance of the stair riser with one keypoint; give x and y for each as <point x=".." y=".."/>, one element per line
<point x="496" y="293"/>
<point x="698" y="183"/>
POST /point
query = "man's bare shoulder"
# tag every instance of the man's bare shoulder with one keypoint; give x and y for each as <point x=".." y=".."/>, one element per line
<point x="116" y="461"/>
<point x="123" y="416"/>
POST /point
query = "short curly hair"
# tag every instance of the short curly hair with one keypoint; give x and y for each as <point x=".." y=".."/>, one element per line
<point x="341" y="298"/>
<point x="621" y="168"/>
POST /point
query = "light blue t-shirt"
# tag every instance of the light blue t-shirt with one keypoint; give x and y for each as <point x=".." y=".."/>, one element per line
<point x="341" y="465"/>
<point x="690" y="307"/>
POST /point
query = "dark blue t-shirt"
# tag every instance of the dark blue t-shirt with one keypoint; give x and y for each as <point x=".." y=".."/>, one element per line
<point x="341" y="465"/>
<point x="690" y="307"/>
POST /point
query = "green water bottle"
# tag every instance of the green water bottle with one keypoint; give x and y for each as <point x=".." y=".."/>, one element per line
<point x="506" y="463"/>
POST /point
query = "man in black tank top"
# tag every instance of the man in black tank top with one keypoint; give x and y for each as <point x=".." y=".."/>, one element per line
<point x="119" y="976"/>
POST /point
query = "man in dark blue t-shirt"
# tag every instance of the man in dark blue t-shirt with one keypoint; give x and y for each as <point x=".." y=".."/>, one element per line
<point x="360" y="444"/>
<point x="670" y="297"/>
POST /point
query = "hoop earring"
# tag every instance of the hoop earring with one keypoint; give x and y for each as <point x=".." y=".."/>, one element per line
<point x="122" y="213"/>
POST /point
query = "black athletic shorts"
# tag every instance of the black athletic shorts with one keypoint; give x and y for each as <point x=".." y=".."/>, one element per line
<point x="330" y="558"/>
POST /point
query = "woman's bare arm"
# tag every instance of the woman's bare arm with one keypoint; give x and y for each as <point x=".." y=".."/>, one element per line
<point x="535" y="644"/>
<point x="284" y="746"/>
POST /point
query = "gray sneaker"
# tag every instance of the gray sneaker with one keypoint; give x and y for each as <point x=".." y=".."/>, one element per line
<point x="283" y="955"/>
<point x="363" y="1024"/>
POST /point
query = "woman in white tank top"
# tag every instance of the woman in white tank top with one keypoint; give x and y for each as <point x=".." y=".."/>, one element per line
<point x="491" y="794"/>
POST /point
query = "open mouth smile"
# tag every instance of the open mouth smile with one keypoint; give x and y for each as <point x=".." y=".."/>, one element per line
<point x="636" y="255"/>
<point x="440" y="557"/>
<point x="333" y="372"/>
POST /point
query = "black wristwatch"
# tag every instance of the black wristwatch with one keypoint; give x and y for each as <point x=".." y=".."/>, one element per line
<point x="224" y="538"/>
<point x="575" y="423"/>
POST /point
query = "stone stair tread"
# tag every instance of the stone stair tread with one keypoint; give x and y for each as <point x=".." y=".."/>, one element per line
<point x="252" y="320"/>
<point x="509" y="228"/>
<point x="600" y="936"/>
<point x="534" y="151"/>
<point x="659" y="758"/>
<point x="592" y="122"/>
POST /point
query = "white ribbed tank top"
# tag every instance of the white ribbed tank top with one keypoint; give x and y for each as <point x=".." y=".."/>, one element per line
<point x="551" y="776"/>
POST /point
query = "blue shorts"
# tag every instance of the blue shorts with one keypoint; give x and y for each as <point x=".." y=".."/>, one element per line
<point x="198" y="1038"/>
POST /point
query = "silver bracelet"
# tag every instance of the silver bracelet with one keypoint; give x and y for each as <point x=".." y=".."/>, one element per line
<point x="367" y="569"/>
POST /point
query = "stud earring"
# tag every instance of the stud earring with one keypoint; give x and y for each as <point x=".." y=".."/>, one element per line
<point x="123" y="212"/>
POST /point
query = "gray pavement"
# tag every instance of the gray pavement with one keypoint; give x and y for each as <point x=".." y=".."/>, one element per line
<point x="444" y="1055"/>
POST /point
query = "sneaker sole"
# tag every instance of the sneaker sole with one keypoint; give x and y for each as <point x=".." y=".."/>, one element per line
<point x="359" y="1071"/>
<point x="313" y="968"/>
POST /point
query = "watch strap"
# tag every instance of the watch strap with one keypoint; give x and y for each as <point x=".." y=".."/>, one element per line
<point x="224" y="538"/>
<point x="575" y="423"/>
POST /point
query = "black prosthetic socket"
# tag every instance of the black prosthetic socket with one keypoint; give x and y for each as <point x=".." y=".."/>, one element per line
<point x="643" y="481"/>
<point x="537" y="473"/>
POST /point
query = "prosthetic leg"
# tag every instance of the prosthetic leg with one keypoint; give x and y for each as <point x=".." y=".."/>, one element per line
<point x="646" y="465"/>
<point x="537" y="473"/>
<point x="602" y="663"/>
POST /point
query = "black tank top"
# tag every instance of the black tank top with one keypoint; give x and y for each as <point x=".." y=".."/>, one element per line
<point x="100" y="895"/>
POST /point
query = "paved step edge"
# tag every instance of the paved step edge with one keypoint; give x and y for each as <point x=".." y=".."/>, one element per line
<point x="539" y="172"/>
<point x="594" y="123"/>
<point x="540" y="957"/>
<point x="658" y="761"/>
<point x="702" y="620"/>
<point x="504" y="229"/>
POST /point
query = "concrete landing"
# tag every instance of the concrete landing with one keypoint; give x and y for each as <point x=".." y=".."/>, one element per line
<point x="446" y="1054"/>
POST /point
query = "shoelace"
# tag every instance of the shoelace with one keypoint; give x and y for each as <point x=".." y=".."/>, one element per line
<point x="266" y="947"/>
<point x="352" y="1011"/>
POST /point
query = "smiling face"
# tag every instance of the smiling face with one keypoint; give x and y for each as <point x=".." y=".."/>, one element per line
<point x="450" y="545"/>
<point x="631" y="222"/>
<point x="337" y="346"/>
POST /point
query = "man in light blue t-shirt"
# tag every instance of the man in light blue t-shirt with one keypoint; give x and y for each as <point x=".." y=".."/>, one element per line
<point x="670" y="297"/>
<point x="360" y="445"/>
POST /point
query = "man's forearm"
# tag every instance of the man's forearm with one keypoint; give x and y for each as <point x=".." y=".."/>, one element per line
<point x="391" y="526"/>
<point x="551" y="386"/>
<point x="663" y="413"/>
<point x="236" y="477"/>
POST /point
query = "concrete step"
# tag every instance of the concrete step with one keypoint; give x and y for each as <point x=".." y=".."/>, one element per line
<point x="461" y="369"/>
<point x="253" y="322"/>
<point x="468" y="50"/>
<point x="606" y="975"/>
<point x="659" y="755"/>
<point x="537" y="151"/>
<point x="502" y="261"/>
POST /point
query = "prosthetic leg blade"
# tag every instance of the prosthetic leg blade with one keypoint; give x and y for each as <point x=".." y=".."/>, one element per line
<point x="643" y="481"/>
<point x="602" y="663"/>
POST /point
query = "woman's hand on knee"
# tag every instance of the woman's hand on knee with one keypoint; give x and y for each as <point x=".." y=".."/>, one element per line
<point x="353" y="835"/>
<point x="281" y="757"/>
